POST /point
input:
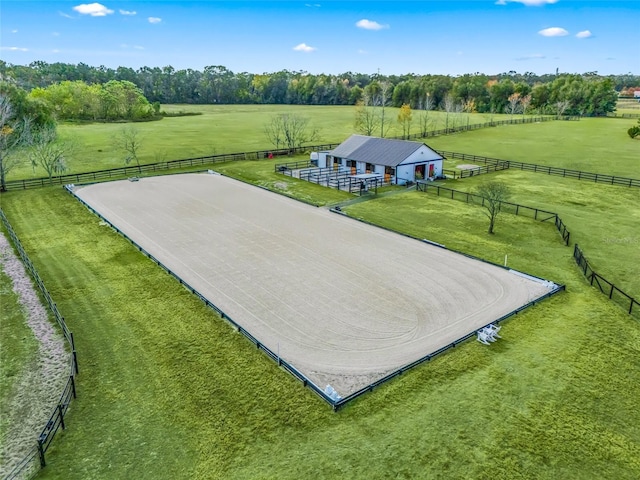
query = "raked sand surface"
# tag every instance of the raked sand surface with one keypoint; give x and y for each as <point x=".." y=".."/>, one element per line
<point x="344" y="302"/>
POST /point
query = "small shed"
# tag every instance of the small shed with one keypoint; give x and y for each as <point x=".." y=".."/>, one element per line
<point x="396" y="161"/>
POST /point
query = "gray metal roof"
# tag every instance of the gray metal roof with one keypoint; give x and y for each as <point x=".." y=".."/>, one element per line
<point x="379" y="151"/>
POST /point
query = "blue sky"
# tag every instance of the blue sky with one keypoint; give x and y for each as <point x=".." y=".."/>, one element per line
<point x="320" y="36"/>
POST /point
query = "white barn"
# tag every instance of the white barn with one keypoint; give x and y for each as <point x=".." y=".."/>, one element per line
<point x="396" y="161"/>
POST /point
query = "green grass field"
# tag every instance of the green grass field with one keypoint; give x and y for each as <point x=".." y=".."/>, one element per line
<point x="602" y="219"/>
<point x="219" y="129"/>
<point x="599" y="145"/>
<point x="168" y="390"/>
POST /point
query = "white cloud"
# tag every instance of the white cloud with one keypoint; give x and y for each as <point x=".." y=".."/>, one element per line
<point x="553" y="32"/>
<point x="66" y="15"/>
<point x="363" y="52"/>
<point x="14" y="49"/>
<point x="528" y="3"/>
<point x="126" y="12"/>
<point x="303" y="47"/>
<point x="55" y="34"/>
<point x="154" y="19"/>
<point x="14" y="31"/>
<point x="584" y="34"/>
<point x="93" y="9"/>
<point x="370" y="25"/>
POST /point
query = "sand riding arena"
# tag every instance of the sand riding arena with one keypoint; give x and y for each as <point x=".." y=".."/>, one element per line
<point x="344" y="302"/>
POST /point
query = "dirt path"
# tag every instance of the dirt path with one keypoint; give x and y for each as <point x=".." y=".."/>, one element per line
<point x="40" y="384"/>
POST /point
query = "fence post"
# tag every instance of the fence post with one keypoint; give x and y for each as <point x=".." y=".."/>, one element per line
<point x="41" y="452"/>
<point x="61" y="415"/>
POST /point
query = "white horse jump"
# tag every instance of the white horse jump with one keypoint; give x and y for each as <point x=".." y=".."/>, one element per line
<point x="489" y="334"/>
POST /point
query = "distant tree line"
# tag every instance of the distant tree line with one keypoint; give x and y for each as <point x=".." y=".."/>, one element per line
<point x="580" y="94"/>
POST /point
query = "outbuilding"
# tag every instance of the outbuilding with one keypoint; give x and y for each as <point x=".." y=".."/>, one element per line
<point x="394" y="161"/>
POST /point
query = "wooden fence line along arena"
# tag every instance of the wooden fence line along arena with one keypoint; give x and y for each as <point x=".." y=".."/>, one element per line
<point x="34" y="460"/>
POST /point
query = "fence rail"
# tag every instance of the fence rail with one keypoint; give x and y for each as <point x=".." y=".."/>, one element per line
<point x="623" y="115"/>
<point x="604" y="285"/>
<point x="287" y="167"/>
<point x="470" y="172"/>
<point x="514" y="208"/>
<point x="532" y="167"/>
<point x="27" y="467"/>
<point x="122" y="172"/>
<point x="477" y="126"/>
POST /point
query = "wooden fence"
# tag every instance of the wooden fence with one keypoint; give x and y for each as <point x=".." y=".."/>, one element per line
<point x="605" y="286"/>
<point x="532" y="167"/>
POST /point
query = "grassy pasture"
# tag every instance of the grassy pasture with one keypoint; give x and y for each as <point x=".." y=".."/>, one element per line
<point x="168" y="390"/>
<point x="599" y="145"/>
<point x="219" y="129"/>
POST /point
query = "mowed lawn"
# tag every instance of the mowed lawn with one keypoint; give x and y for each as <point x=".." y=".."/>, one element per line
<point x="168" y="390"/>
